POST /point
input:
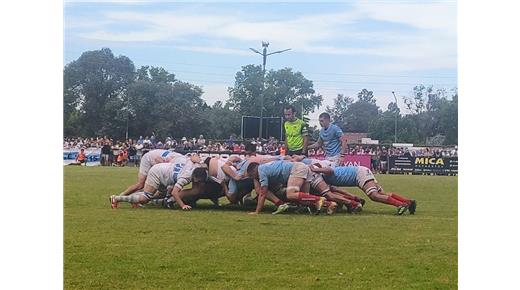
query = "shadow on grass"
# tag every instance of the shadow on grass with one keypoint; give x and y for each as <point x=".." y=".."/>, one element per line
<point x="206" y="205"/>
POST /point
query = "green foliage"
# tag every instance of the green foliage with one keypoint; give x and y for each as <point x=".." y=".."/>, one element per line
<point x="430" y="113"/>
<point x="221" y="122"/>
<point x="224" y="248"/>
<point x="341" y="105"/>
<point x="355" y="116"/>
<point x="103" y="94"/>
<point x="94" y="80"/>
<point x="282" y="87"/>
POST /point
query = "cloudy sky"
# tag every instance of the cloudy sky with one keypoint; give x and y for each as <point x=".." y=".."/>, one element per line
<point x="383" y="46"/>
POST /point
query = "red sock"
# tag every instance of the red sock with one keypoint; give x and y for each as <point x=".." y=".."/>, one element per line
<point x="399" y="198"/>
<point x="279" y="202"/>
<point x="393" y="201"/>
<point x="302" y="196"/>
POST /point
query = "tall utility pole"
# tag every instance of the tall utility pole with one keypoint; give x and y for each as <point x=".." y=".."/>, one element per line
<point x="396" y="115"/>
<point x="127" y="114"/>
<point x="264" y="54"/>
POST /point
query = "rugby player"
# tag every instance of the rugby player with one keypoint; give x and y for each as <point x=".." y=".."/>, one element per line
<point x="148" y="160"/>
<point x="178" y="173"/>
<point x="331" y="139"/>
<point x="363" y="178"/>
<point x="294" y="174"/>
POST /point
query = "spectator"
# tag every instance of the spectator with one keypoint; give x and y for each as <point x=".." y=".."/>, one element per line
<point x="81" y="158"/>
<point x="105" y="154"/>
<point x="201" y="142"/>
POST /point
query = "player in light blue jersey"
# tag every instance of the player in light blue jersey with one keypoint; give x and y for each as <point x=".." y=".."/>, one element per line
<point x="331" y="139"/>
<point x="363" y="178"/>
<point x="292" y="174"/>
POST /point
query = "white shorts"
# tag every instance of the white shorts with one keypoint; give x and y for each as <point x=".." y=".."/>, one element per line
<point x="364" y="175"/>
<point x="145" y="165"/>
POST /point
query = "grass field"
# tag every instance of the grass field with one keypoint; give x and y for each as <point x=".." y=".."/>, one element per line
<point x="224" y="248"/>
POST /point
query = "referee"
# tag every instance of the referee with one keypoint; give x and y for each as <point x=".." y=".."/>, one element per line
<point x="296" y="132"/>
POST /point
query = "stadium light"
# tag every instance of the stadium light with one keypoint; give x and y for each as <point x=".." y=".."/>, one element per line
<point x="396" y="115"/>
<point x="264" y="55"/>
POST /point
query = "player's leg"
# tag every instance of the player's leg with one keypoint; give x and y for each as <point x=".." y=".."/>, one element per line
<point x="321" y="188"/>
<point x="372" y="190"/>
<point x="347" y="195"/>
<point x="135" y="187"/>
<point x="135" y="198"/>
<point x="192" y="195"/>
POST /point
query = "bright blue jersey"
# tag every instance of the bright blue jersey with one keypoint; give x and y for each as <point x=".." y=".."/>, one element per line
<point x="343" y="176"/>
<point x="274" y="172"/>
<point x="331" y="138"/>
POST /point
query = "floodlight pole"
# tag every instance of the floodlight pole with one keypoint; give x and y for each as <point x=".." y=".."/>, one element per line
<point x="396" y="115"/>
<point x="127" y="114"/>
<point x="264" y="55"/>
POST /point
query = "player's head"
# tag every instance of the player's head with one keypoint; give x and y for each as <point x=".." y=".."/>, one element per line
<point x="252" y="170"/>
<point x="199" y="174"/>
<point x="289" y="113"/>
<point x="324" y="119"/>
<point x="250" y="149"/>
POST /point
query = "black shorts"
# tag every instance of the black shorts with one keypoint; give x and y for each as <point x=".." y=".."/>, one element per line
<point x="297" y="152"/>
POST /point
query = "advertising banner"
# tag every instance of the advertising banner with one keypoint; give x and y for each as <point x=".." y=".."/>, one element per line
<point x="423" y="165"/>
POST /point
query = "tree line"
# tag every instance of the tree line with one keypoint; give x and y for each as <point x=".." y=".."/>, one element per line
<point x="104" y="94"/>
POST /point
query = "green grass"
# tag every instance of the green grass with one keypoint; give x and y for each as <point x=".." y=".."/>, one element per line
<point x="210" y="248"/>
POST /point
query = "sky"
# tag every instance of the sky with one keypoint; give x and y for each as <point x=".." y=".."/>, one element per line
<point x="342" y="47"/>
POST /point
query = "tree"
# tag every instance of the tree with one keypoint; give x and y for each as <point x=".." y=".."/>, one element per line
<point x="89" y="83"/>
<point x="282" y="87"/>
<point x="356" y="117"/>
<point x="341" y="105"/>
<point x="383" y="127"/>
<point x="221" y="122"/>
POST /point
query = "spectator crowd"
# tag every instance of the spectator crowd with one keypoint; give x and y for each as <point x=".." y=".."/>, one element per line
<point x="119" y="153"/>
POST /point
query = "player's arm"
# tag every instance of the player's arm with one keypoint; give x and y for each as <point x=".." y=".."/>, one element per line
<point x="305" y="134"/>
<point x="183" y="179"/>
<point x="230" y="172"/>
<point x="224" y="186"/>
<point x="316" y="145"/>
<point x="233" y="159"/>
<point x="297" y="158"/>
<point x="324" y="170"/>
<point x="262" y="192"/>
<point x="268" y="159"/>
<point x="175" y="194"/>
<point x="195" y="158"/>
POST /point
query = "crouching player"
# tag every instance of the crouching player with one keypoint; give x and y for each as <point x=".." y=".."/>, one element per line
<point x="178" y="173"/>
<point x="363" y="178"/>
<point x="294" y="174"/>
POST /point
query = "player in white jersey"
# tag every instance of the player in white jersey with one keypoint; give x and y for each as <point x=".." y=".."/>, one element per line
<point x="178" y="173"/>
<point x="148" y="160"/>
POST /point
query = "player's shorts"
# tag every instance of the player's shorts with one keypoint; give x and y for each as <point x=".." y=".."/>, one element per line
<point x="145" y="165"/>
<point x="240" y="187"/>
<point x="364" y="175"/>
<point x="300" y="170"/>
<point x="153" y="178"/>
<point x="279" y="191"/>
<point x="315" y="179"/>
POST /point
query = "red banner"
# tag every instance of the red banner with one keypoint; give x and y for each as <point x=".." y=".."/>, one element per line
<point x="357" y="160"/>
<point x="350" y="160"/>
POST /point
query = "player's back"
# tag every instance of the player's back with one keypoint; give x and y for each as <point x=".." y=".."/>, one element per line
<point x="275" y="171"/>
<point x="343" y="176"/>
